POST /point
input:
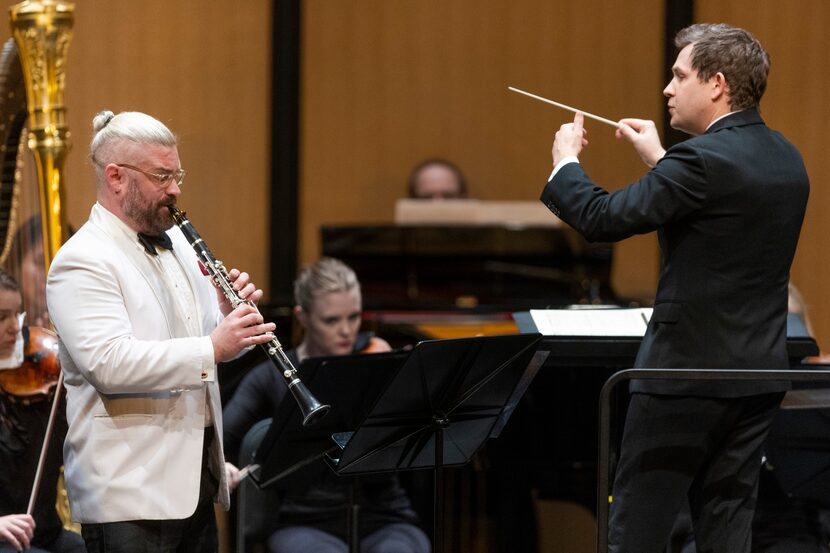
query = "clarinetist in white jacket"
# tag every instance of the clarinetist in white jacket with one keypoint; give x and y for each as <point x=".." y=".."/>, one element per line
<point x="141" y="330"/>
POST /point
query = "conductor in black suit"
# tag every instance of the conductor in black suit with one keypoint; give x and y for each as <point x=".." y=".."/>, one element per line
<point x="727" y="205"/>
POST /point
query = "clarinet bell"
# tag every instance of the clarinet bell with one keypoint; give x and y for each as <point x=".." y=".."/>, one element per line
<point x="311" y="409"/>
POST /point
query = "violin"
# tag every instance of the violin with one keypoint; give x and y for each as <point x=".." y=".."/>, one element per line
<point x="38" y="375"/>
<point x="375" y="345"/>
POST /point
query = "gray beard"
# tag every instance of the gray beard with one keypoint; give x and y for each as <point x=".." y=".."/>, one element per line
<point x="143" y="214"/>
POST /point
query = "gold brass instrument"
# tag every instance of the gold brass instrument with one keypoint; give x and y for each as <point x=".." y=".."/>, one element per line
<point x="311" y="409"/>
<point x="12" y="130"/>
<point x="42" y="30"/>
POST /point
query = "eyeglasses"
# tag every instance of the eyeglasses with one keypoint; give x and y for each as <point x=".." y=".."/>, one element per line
<point x="161" y="179"/>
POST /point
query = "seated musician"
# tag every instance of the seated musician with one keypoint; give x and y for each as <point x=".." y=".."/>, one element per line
<point x="23" y="421"/>
<point x="313" y="518"/>
<point x="25" y="261"/>
<point x="436" y="179"/>
<point x="17" y="531"/>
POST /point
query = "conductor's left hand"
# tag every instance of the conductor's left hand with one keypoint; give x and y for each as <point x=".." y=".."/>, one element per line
<point x="642" y="134"/>
<point x="570" y="139"/>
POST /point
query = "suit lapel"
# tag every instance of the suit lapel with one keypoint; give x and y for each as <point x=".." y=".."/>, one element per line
<point x="144" y="265"/>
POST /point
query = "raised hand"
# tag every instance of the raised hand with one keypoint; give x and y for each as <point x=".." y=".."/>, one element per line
<point x="642" y="134"/>
<point x="570" y="139"/>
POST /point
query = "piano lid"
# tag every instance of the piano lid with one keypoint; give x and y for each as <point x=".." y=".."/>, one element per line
<point x="485" y="267"/>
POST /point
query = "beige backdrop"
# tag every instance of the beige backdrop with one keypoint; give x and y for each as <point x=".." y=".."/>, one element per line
<point x="386" y="83"/>
<point x="203" y="68"/>
<point x="389" y="83"/>
<point x="794" y="33"/>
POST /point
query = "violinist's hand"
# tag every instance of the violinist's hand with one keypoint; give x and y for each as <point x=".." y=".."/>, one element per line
<point x="643" y="136"/>
<point x="570" y="139"/>
<point x="376" y="345"/>
<point x="42" y="320"/>
<point x="17" y="530"/>
<point x="232" y="475"/>
<point x="244" y="287"/>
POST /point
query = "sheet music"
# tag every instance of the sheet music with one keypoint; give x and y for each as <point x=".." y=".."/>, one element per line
<point x="591" y="322"/>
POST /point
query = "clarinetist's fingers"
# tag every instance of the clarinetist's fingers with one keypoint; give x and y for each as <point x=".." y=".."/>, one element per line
<point x="239" y="279"/>
<point x="259" y="339"/>
<point x="245" y="289"/>
<point x="254" y="296"/>
<point x="242" y="328"/>
<point x="265" y="330"/>
<point x="249" y="318"/>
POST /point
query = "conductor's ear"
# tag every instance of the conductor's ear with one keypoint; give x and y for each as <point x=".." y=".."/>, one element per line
<point x="719" y="86"/>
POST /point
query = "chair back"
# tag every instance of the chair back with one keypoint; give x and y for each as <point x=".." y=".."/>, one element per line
<point x="256" y="507"/>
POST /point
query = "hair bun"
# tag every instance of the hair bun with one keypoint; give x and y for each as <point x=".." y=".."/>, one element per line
<point x="101" y="119"/>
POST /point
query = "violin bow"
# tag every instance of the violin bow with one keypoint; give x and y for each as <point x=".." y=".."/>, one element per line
<point x="41" y="462"/>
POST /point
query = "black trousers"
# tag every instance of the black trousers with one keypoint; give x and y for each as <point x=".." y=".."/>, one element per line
<point x="706" y="450"/>
<point x="195" y="534"/>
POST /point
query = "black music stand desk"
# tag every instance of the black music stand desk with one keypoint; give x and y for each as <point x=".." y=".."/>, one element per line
<point x="443" y="400"/>
<point x="350" y="384"/>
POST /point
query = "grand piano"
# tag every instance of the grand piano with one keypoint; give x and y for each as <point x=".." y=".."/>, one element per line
<point x="472" y="268"/>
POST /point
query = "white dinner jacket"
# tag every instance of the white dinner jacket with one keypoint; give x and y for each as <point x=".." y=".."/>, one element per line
<point x="136" y="401"/>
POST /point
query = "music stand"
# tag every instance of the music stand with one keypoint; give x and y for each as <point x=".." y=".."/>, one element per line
<point x="440" y="407"/>
<point x="350" y="384"/>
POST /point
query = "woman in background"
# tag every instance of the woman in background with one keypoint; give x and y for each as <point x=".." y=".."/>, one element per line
<point x="328" y="308"/>
<point x="23" y="423"/>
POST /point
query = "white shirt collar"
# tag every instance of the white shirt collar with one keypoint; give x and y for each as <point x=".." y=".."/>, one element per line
<point x="719" y="118"/>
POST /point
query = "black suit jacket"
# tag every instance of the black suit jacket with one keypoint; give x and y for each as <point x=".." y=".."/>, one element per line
<point x="728" y="207"/>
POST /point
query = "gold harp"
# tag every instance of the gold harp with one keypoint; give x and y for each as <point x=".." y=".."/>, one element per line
<point x="12" y="127"/>
<point x="42" y="30"/>
<point x="32" y="81"/>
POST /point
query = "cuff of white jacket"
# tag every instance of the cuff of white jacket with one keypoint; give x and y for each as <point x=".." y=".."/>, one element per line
<point x="562" y="162"/>
<point x="208" y="362"/>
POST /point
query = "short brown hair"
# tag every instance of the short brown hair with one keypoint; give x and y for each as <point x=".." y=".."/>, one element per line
<point x="718" y="47"/>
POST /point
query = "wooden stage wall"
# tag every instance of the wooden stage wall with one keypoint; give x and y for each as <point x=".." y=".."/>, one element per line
<point x="389" y="83"/>
<point x="203" y="68"/>
<point x="386" y="83"/>
<point x="794" y="35"/>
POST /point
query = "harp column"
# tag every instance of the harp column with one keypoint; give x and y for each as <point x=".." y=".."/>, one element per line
<point x="42" y="30"/>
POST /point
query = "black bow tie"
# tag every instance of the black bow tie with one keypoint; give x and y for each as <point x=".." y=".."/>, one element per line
<point x="151" y="242"/>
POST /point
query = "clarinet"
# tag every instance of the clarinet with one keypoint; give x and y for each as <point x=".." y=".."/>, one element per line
<point x="311" y="409"/>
